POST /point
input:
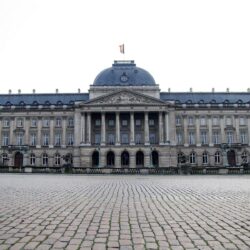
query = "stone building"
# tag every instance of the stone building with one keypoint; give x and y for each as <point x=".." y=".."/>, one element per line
<point x="124" y="121"/>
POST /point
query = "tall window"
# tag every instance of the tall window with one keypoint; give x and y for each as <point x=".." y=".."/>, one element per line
<point x="191" y="138"/>
<point x="97" y="139"/>
<point x="58" y="139"/>
<point x="57" y="160"/>
<point x="58" y="122"/>
<point x="46" y="122"/>
<point x="111" y="139"/>
<point x="204" y="137"/>
<point x="152" y="138"/>
<point x="33" y="139"/>
<point x="70" y="122"/>
<point x="6" y="123"/>
<point x="243" y="137"/>
<point x="5" y="139"/>
<point x="19" y="122"/>
<point x="242" y="121"/>
<point x="203" y="121"/>
<point x="45" y="160"/>
<point x="70" y="139"/>
<point x="32" y="160"/>
<point x="19" y="138"/>
<point x="217" y="157"/>
<point x="215" y="137"/>
<point x="215" y="121"/>
<point x="124" y="138"/>
<point x="45" y="139"/>
<point x="138" y="139"/>
<point x="228" y="121"/>
<point x="179" y="138"/>
<point x="190" y="120"/>
<point x="33" y="122"/>
<point x="192" y="158"/>
<point x="230" y="137"/>
<point x="178" y="120"/>
<point x="205" y="158"/>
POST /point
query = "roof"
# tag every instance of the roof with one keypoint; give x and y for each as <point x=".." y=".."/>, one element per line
<point x="124" y="73"/>
<point x="42" y="99"/>
<point x="206" y="97"/>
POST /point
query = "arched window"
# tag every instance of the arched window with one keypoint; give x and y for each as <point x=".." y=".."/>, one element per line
<point x="110" y="159"/>
<point x="217" y="157"/>
<point x="95" y="159"/>
<point x="205" y="158"/>
<point x="45" y="160"/>
<point x="125" y="159"/>
<point x="244" y="157"/>
<point x="192" y="158"/>
<point x="181" y="158"/>
<point x="5" y="159"/>
<point x="32" y="160"/>
<point x="139" y="159"/>
<point x="57" y="159"/>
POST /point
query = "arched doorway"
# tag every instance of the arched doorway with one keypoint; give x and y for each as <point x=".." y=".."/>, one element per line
<point x="95" y="159"/>
<point x="139" y="159"/>
<point x="18" y="162"/>
<point x="155" y="159"/>
<point x="110" y="159"/>
<point x="125" y="159"/>
<point x="231" y="158"/>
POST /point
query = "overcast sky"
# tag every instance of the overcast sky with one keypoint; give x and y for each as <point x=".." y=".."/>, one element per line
<point x="49" y="44"/>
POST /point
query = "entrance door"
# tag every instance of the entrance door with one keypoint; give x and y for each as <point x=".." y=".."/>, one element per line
<point x="18" y="159"/>
<point x="231" y="158"/>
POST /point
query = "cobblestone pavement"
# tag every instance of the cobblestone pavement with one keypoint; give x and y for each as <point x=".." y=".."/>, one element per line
<point x="124" y="212"/>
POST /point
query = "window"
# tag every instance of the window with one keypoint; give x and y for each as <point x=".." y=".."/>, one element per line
<point x="242" y="121"/>
<point x="190" y="120"/>
<point x="97" y="122"/>
<point x="124" y="138"/>
<point x="45" y="160"/>
<point x="58" y="122"/>
<point x="215" y="137"/>
<point x="215" y="121"/>
<point x="32" y="160"/>
<point x="33" y="122"/>
<point x="244" y="157"/>
<point x="70" y="139"/>
<point x="230" y="137"/>
<point x="191" y="138"/>
<point x="111" y="123"/>
<point x="46" y="122"/>
<point x="151" y="122"/>
<point x="45" y="139"/>
<point x="58" y="139"/>
<point x="205" y="158"/>
<point x="178" y="120"/>
<point x="217" y="158"/>
<point x="5" y="159"/>
<point x="243" y="137"/>
<point x="5" y="139"/>
<point x="6" y="123"/>
<point x="204" y="137"/>
<point x="70" y="122"/>
<point x="57" y="160"/>
<point x="111" y="139"/>
<point x="19" y="138"/>
<point x="125" y="123"/>
<point x="179" y="138"/>
<point x="203" y="121"/>
<point x="192" y="158"/>
<point x="181" y="158"/>
<point x="137" y="122"/>
<point x="33" y="139"/>
<point x="138" y="139"/>
<point x="228" y="121"/>
<point x="97" y="139"/>
<point x="19" y="123"/>
<point x="152" y="138"/>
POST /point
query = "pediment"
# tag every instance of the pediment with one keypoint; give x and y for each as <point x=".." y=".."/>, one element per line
<point x="125" y="97"/>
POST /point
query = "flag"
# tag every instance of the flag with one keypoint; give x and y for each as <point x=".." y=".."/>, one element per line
<point x="122" y="50"/>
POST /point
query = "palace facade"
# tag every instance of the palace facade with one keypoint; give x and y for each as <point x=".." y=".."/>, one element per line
<point x="125" y="121"/>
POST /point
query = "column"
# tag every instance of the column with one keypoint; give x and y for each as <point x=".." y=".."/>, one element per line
<point x="210" y="132"/>
<point x="89" y="128"/>
<point x="146" y="129"/>
<point x="185" y="130"/>
<point x="39" y="132"/>
<point x="161" y="135"/>
<point x="166" y="128"/>
<point x="64" y="128"/>
<point x="26" y="128"/>
<point x="51" y="133"/>
<point x="77" y="128"/>
<point x="248" y="129"/>
<point x="197" y="123"/>
<point x="222" y="128"/>
<point x="83" y="128"/>
<point x="132" y="129"/>
<point x="103" y="132"/>
<point x="237" y="129"/>
<point x="117" y="123"/>
<point x="1" y="140"/>
<point x="11" y="142"/>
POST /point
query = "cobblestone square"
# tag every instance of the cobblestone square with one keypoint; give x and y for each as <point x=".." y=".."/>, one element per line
<point x="124" y="212"/>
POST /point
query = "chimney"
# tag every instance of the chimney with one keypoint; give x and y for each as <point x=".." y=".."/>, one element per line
<point x="169" y="90"/>
<point x="57" y="91"/>
<point x="227" y="90"/>
<point x="19" y="91"/>
<point x="248" y="90"/>
<point x="191" y="89"/>
<point x="34" y="91"/>
<point x="213" y="90"/>
<point x="79" y="90"/>
<point x="10" y="91"/>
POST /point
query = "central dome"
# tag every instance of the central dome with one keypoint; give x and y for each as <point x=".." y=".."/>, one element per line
<point x="124" y="73"/>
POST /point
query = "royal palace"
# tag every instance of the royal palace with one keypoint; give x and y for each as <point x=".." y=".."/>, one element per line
<point x="124" y="121"/>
